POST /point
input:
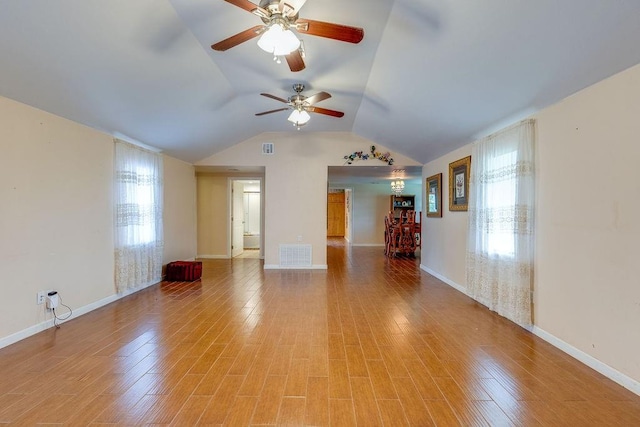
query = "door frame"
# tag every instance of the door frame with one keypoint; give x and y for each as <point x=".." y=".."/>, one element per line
<point x="348" y="210"/>
<point x="230" y="181"/>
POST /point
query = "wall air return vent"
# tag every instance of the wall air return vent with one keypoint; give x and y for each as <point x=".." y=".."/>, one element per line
<point x="295" y="256"/>
<point x="267" y="148"/>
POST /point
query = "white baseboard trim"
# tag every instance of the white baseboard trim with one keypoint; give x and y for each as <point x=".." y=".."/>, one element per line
<point x="369" y="244"/>
<point x="606" y="370"/>
<point x="214" y="256"/>
<point x="77" y="312"/>
<point x="279" y="267"/>
<point x="25" y="333"/>
<point x="451" y="283"/>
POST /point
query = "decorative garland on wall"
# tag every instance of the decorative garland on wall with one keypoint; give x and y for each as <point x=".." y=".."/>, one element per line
<point x="360" y="155"/>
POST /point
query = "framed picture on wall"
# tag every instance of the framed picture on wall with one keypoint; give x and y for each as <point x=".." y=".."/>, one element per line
<point x="459" y="184"/>
<point x="434" y="196"/>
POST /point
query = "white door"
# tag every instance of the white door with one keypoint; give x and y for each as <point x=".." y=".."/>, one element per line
<point x="237" y="218"/>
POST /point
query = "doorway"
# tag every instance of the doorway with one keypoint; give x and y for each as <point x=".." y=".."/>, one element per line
<point x="336" y="213"/>
<point x="246" y="218"/>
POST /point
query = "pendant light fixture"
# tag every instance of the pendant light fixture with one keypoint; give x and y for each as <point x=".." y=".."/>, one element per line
<point x="397" y="187"/>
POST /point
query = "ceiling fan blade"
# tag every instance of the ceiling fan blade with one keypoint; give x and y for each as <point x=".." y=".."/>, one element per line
<point x="331" y="31"/>
<point x="325" y="111"/>
<point x="248" y="6"/>
<point x="271" y="111"/>
<point x="320" y="96"/>
<point x="238" y="38"/>
<point x="295" y="61"/>
<point x="274" y="97"/>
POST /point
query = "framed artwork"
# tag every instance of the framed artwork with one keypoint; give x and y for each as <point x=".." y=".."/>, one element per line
<point x="434" y="196"/>
<point x="459" y="184"/>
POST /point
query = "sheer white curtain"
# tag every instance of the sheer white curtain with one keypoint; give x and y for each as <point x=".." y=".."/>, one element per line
<point x="499" y="265"/>
<point x="138" y="216"/>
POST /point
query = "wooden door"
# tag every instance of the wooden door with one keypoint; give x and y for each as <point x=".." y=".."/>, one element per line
<point x="335" y="215"/>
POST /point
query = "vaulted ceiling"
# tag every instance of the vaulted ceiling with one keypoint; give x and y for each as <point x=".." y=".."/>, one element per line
<point x="428" y="77"/>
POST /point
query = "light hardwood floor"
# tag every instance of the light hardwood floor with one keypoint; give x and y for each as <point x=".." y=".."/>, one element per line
<point x="371" y="341"/>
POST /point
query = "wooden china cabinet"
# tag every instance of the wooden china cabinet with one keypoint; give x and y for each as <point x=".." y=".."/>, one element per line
<point x="399" y="204"/>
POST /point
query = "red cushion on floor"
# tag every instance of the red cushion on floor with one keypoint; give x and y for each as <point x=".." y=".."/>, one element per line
<point x="183" y="271"/>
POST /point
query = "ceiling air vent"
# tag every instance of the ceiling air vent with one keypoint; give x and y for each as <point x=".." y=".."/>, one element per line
<point x="267" y="148"/>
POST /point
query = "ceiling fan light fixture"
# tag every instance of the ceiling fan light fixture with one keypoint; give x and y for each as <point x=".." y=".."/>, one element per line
<point x="299" y="117"/>
<point x="278" y="40"/>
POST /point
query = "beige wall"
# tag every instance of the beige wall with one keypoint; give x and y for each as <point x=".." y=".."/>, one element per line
<point x="370" y="205"/>
<point x="56" y="221"/>
<point x="444" y="240"/>
<point x="56" y="218"/>
<point x="586" y="290"/>
<point x="296" y="184"/>
<point x="212" y="216"/>
<point x="179" y="210"/>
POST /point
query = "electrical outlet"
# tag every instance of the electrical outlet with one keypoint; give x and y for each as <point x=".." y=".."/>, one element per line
<point x="41" y="297"/>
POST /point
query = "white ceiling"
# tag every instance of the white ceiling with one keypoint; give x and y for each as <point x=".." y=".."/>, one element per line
<point x="429" y="76"/>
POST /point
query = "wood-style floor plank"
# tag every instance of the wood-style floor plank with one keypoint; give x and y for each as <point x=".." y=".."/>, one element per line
<point x="317" y="410"/>
<point x="371" y="341"/>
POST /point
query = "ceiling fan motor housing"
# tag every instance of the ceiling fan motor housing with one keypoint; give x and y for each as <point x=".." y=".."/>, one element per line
<point x="283" y="17"/>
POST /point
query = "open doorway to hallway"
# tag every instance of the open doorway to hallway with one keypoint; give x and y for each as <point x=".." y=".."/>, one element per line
<point x="246" y="218"/>
<point x="367" y="198"/>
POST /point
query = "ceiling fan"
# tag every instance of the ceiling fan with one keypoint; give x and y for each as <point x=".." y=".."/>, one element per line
<point x="279" y="17"/>
<point x="302" y="106"/>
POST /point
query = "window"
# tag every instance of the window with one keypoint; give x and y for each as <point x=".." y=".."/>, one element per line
<point x="136" y="210"/>
<point x="138" y="216"/>
<point x="500" y="195"/>
<point x="500" y="248"/>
